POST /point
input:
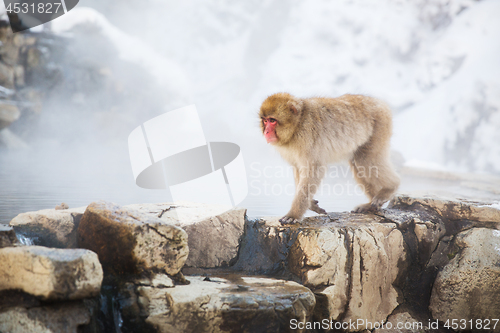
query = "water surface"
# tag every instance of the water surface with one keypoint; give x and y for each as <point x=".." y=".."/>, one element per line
<point x="32" y="180"/>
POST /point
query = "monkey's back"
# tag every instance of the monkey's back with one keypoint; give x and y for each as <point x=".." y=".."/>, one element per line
<point x="343" y="124"/>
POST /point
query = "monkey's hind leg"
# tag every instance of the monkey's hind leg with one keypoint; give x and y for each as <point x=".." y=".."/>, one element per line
<point x="377" y="176"/>
<point x="371" y="165"/>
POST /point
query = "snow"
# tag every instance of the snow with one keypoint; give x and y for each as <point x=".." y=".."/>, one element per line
<point x="419" y="164"/>
<point x="462" y="111"/>
<point x="496" y="206"/>
<point x="436" y="62"/>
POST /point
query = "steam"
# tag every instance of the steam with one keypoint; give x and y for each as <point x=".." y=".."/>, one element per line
<point x="168" y="74"/>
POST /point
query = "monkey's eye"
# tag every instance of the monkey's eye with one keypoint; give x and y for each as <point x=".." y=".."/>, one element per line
<point x="272" y="120"/>
<point x="264" y="120"/>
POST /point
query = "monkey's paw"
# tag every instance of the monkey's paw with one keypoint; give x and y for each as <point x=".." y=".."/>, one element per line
<point x="288" y="220"/>
<point x="316" y="208"/>
<point x="365" y="208"/>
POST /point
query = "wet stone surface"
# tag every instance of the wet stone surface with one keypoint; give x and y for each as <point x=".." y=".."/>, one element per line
<point x="216" y="304"/>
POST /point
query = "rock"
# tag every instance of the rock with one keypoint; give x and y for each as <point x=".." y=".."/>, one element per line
<point x="51" y="274"/>
<point x="480" y="214"/>
<point x="213" y="240"/>
<point x="50" y="227"/>
<point x="428" y="234"/>
<point x="19" y="76"/>
<point x="431" y="223"/>
<point x="7" y="236"/>
<point x="53" y="318"/>
<point x="245" y="304"/>
<point x="264" y="248"/>
<point x="359" y="260"/>
<point x="400" y="323"/>
<point x="189" y="211"/>
<point x="34" y="59"/>
<point x="405" y="320"/>
<point x="9" y="50"/>
<point x="6" y="76"/>
<point x="442" y="254"/>
<point x="351" y="261"/>
<point x="130" y="242"/>
<point x="8" y="114"/>
<point x="469" y="285"/>
<point x="422" y="229"/>
<point x="62" y="206"/>
<point x="359" y="266"/>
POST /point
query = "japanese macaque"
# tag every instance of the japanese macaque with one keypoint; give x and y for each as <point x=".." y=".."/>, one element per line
<point x="310" y="133"/>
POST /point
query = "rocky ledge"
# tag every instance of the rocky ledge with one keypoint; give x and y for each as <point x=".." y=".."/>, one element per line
<point x="422" y="264"/>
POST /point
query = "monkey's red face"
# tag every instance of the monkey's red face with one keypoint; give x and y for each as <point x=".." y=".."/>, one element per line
<point x="270" y="129"/>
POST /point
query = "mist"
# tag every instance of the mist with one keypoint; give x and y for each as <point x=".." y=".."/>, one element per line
<point x="112" y="65"/>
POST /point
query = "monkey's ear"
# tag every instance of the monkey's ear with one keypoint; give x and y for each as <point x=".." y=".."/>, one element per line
<point x="294" y="107"/>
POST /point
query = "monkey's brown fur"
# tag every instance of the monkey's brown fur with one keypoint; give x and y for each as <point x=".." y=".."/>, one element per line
<point x="313" y="132"/>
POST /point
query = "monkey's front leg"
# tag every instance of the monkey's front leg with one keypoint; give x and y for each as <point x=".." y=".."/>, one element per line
<point x="309" y="180"/>
<point x="314" y="203"/>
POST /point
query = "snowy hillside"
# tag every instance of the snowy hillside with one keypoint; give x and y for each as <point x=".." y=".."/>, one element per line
<point x="437" y="65"/>
<point x="458" y="118"/>
<point x="437" y="62"/>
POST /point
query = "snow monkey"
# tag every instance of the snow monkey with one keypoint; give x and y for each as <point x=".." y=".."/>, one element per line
<point x="309" y="133"/>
